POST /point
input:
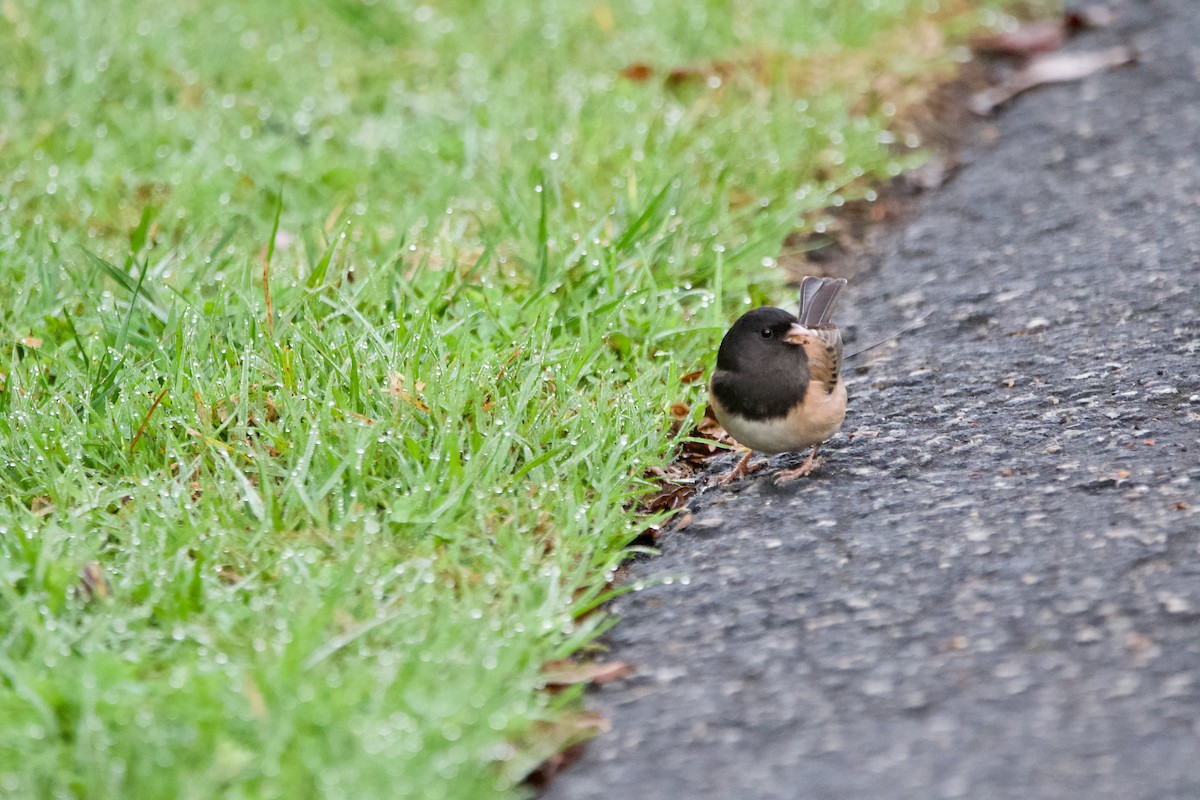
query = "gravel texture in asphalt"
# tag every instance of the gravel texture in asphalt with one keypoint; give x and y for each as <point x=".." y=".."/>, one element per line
<point x="991" y="586"/>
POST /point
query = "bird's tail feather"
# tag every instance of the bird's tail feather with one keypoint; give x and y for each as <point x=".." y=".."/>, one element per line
<point x="818" y="296"/>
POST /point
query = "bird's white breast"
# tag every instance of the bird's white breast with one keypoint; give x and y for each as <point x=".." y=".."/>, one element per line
<point x="807" y="425"/>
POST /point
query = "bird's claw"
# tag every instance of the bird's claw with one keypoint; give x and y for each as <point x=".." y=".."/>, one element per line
<point x="744" y="467"/>
<point x="810" y="463"/>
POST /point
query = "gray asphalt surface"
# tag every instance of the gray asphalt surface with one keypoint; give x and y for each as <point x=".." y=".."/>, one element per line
<point x="992" y="590"/>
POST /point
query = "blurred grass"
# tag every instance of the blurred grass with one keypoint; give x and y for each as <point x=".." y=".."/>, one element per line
<point x="342" y="532"/>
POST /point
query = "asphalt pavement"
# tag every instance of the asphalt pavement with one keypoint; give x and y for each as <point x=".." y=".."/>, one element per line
<point x="991" y="586"/>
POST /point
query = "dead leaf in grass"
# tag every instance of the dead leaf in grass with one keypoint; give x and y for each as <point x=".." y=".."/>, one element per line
<point x="396" y="388"/>
<point x="228" y="574"/>
<point x="93" y="583"/>
<point x="1029" y="39"/>
<point x="554" y="746"/>
<point x="638" y="72"/>
<point x="1056" y="68"/>
<point x="709" y="73"/>
<point x="706" y="439"/>
<point x="254" y="696"/>
<point x="670" y="498"/>
<point x="565" y="672"/>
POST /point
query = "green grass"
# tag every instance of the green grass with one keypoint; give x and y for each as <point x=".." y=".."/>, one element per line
<point x="343" y="532"/>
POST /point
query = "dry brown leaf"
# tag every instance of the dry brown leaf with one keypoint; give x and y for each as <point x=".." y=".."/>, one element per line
<point x="229" y="574"/>
<point x="566" y="672"/>
<point x="396" y="388"/>
<point x="638" y="72"/>
<point x="604" y="18"/>
<point x="1028" y="39"/>
<point x="1092" y="16"/>
<point x="1056" y="68"/>
<point x="561" y="743"/>
<point x="1042" y="36"/>
<point x="692" y="377"/>
<point x="254" y="696"/>
<point x="93" y="583"/>
<point x="670" y="498"/>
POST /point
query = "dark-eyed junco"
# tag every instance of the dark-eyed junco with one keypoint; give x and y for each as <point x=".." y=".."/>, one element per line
<point x="777" y="387"/>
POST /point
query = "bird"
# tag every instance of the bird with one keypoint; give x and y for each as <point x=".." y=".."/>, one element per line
<point x="778" y="387"/>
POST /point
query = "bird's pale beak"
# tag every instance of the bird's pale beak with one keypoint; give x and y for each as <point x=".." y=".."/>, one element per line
<point x="797" y="334"/>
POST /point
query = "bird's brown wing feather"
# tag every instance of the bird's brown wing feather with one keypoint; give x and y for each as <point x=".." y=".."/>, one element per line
<point x="823" y="346"/>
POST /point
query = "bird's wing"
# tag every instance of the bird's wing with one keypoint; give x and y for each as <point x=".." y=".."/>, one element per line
<point x="823" y="346"/>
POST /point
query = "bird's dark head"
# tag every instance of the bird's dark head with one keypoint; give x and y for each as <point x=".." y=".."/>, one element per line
<point x="760" y="337"/>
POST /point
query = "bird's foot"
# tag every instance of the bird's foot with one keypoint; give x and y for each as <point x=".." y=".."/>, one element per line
<point x="743" y="468"/>
<point x="810" y="463"/>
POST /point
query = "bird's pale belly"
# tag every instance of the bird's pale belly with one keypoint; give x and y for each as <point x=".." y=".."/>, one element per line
<point x="807" y="425"/>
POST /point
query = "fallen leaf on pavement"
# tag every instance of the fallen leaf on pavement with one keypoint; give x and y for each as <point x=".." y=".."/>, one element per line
<point x="1092" y="16"/>
<point x="1056" y="68"/>
<point x="1044" y="36"/>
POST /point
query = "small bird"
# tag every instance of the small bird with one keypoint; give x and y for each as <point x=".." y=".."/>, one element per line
<point x="777" y="387"/>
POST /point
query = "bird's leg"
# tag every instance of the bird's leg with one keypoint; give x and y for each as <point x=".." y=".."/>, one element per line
<point x="743" y="467"/>
<point x="808" y="466"/>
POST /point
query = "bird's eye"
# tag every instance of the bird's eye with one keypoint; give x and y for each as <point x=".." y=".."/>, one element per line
<point x="767" y="333"/>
